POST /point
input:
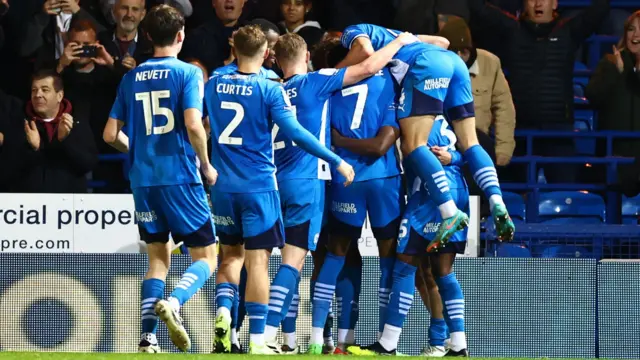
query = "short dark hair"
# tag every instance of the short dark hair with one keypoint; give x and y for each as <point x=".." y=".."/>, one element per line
<point x="265" y="25"/>
<point x="83" y="25"/>
<point x="58" y="85"/>
<point x="328" y="53"/>
<point x="248" y="40"/>
<point x="162" y="24"/>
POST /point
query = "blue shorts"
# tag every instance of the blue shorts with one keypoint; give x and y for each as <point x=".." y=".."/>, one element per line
<point x="437" y="83"/>
<point x="421" y="220"/>
<point x="252" y="219"/>
<point x="382" y="198"/>
<point x="302" y="202"/>
<point x="182" y="210"/>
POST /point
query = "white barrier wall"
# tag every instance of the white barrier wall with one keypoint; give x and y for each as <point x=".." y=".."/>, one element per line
<point x="100" y="223"/>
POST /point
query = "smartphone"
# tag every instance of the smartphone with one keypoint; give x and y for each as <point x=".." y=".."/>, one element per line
<point x="88" y="51"/>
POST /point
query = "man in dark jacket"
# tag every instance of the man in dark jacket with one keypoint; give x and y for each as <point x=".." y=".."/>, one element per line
<point x="56" y="150"/>
<point x="540" y="49"/>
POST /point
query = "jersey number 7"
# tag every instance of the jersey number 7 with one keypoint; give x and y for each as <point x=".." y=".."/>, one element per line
<point x="362" y="91"/>
<point x="151" y="107"/>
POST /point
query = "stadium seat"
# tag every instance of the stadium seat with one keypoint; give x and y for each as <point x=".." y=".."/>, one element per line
<point x="580" y="78"/>
<point x="583" y="121"/>
<point x="567" y="207"/>
<point x="630" y="210"/>
<point x="516" y="206"/>
<point x="566" y="251"/>
<point x="599" y="45"/>
<point x="513" y="251"/>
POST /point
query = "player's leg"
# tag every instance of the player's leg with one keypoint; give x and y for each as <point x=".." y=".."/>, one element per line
<point x="437" y="325"/>
<point x="347" y="297"/>
<point x="238" y="312"/>
<point x="348" y="212"/>
<point x="318" y="257"/>
<point x="303" y="205"/>
<point x="459" y="109"/>
<point x="228" y="226"/>
<point x="262" y="231"/>
<point x="423" y="94"/>
<point x="189" y="218"/>
<point x="385" y="205"/>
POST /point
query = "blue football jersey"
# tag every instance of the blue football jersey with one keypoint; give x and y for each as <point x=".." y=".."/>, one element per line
<point x="151" y="100"/>
<point x="441" y="135"/>
<point x="233" y="67"/>
<point x="309" y="94"/>
<point x="358" y="112"/>
<point x="242" y="109"/>
<point x="380" y="37"/>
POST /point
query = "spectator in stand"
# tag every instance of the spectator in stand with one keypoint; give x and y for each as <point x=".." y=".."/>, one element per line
<point x="491" y="94"/>
<point x="184" y="6"/>
<point x="428" y="16"/>
<point x="614" y="89"/>
<point x="90" y="85"/>
<point x="126" y="43"/>
<point x="541" y="48"/>
<point x="56" y="149"/>
<point x="295" y="13"/>
<point x="45" y="34"/>
<point x="210" y="44"/>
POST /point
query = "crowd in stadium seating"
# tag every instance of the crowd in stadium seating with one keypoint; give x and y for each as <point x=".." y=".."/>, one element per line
<point x="536" y="44"/>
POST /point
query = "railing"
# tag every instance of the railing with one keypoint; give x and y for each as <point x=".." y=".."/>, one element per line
<point x="611" y="163"/>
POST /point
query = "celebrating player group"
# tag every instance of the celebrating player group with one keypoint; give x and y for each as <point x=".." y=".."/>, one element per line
<point x="274" y="182"/>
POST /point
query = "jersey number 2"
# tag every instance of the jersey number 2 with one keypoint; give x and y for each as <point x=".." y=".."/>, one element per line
<point x="151" y="107"/>
<point x="225" y="137"/>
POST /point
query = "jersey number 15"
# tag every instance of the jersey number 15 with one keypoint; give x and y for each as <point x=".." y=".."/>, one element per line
<point x="151" y="107"/>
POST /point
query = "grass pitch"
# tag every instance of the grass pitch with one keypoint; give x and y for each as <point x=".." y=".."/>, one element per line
<point x="109" y="356"/>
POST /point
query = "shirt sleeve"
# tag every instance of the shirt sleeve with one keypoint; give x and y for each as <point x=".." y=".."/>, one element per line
<point x="456" y="158"/>
<point x="389" y="117"/>
<point x="327" y="81"/>
<point x="351" y="33"/>
<point x="282" y="115"/>
<point x="119" y="108"/>
<point x="193" y="92"/>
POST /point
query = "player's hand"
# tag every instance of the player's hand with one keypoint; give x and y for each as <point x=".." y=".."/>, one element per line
<point x="210" y="174"/>
<point x="346" y="170"/>
<point x="442" y="153"/>
<point x="65" y="126"/>
<point x="128" y="62"/>
<point x="103" y="58"/>
<point x="619" y="62"/>
<point x="406" y="38"/>
<point x="33" y="136"/>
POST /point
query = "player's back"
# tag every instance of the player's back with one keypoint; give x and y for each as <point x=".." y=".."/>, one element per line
<point x="380" y="37"/>
<point x="242" y="152"/>
<point x="441" y="135"/>
<point x="155" y="95"/>
<point x="309" y="94"/>
<point x="358" y="112"/>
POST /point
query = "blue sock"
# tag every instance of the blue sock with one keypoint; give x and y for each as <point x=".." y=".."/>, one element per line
<point x="429" y="169"/>
<point x="289" y="322"/>
<point x="452" y="301"/>
<point x="324" y="289"/>
<point x="152" y="291"/>
<point x="257" y="321"/>
<point x="384" y="288"/>
<point x="437" y="332"/>
<point x="225" y="297"/>
<point x="402" y="291"/>
<point x="241" y="310"/>
<point x="483" y="170"/>
<point x="281" y="294"/>
<point x="192" y="280"/>
<point x="345" y="295"/>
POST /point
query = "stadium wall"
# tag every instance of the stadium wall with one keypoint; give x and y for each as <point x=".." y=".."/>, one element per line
<point x="514" y="307"/>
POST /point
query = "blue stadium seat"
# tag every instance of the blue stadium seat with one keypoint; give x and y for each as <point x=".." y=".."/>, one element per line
<point x="630" y="210"/>
<point x="513" y="251"/>
<point x="599" y="45"/>
<point x="584" y="121"/>
<point x="580" y="78"/>
<point x="566" y="251"/>
<point x="566" y="207"/>
<point x="515" y="205"/>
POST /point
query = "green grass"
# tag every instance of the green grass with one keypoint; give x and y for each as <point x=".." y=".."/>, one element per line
<point x="109" y="356"/>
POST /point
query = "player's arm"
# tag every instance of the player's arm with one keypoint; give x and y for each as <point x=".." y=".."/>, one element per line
<point x="374" y="147"/>
<point x="377" y="61"/>
<point x="434" y="40"/>
<point x="456" y="158"/>
<point x="283" y="116"/>
<point x="114" y="136"/>
<point x="197" y="133"/>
